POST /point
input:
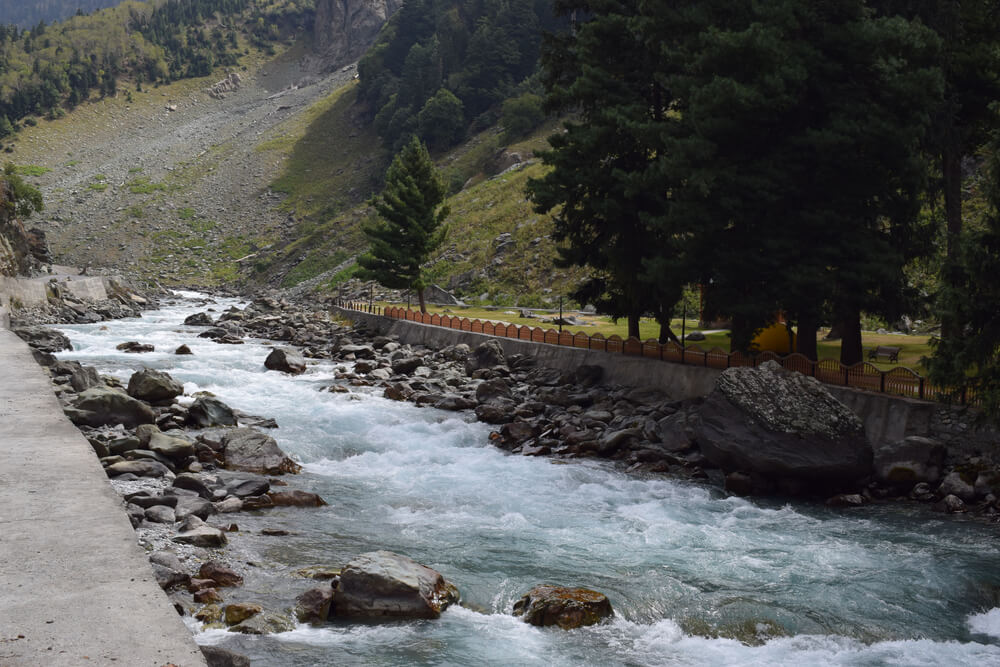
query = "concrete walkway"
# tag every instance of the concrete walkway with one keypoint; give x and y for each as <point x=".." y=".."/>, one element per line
<point x="75" y="587"/>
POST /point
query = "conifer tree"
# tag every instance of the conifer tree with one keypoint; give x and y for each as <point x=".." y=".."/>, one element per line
<point x="411" y="222"/>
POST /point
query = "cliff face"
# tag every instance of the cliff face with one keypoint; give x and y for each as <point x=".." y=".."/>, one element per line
<point x="15" y="248"/>
<point x="345" y="28"/>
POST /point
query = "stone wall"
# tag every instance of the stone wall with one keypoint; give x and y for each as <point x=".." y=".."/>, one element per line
<point x="886" y="418"/>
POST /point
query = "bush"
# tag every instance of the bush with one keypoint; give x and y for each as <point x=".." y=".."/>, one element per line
<point x="441" y="123"/>
<point x="520" y="115"/>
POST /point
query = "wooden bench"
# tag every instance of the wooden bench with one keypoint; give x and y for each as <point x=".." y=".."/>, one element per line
<point x="888" y="352"/>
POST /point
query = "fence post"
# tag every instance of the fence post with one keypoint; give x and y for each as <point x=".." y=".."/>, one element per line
<point x="847" y="377"/>
<point x="881" y="387"/>
<point x="921" y="388"/>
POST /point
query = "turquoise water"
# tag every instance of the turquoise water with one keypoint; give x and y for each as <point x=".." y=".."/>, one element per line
<point x="685" y="566"/>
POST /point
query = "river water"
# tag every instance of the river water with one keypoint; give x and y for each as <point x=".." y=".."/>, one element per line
<point x="695" y="577"/>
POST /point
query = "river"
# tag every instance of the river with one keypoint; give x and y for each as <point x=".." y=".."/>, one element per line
<point x="686" y="567"/>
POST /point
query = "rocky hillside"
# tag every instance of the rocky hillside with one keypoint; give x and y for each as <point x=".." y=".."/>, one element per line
<point x="345" y="28"/>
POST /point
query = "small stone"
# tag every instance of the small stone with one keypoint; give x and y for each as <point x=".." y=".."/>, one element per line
<point x="566" y="607"/>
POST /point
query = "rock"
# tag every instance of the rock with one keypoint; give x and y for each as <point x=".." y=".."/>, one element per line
<point x="207" y="411"/>
<point x="359" y="351"/>
<point x="588" y="375"/>
<point x="454" y="402"/>
<point x="313" y="605"/>
<point x="490" y="390"/>
<point x="199" y="320"/>
<point x="957" y="484"/>
<point x="240" y="611"/>
<point x="183" y="350"/>
<point x="153" y="386"/>
<point x="135" y="347"/>
<point x="498" y="412"/>
<point x="694" y="337"/>
<point x="486" y="355"/>
<point x="198" y="507"/>
<point x="85" y="378"/>
<point x="613" y="440"/>
<point x="168" y="578"/>
<point x="407" y="365"/>
<point x="207" y="595"/>
<point x="229" y="505"/>
<point x="566" y="607"/>
<point x="265" y="623"/>
<point x="909" y="461"/>
<point x="437" y="295"/>
<point x="385" y="584"/>
<point x="100" y="406"/>
<point x="285" y="361"/>
<point x="42" y="339"/>
<point x="222" y="575"/>
<point x="202" y="536"/>
<point x="252" y="451"/>
<point x="783" y="425"/>
<point x="160" y="514"/>
<point x="846" y="500"/>
<point x="170" y="446"/>
<point x="951" y="504"/>
<point x="296" y="498"/>
<point x="739" y="483"/>
<point x="193" y="482"/>
<point x="195" y="584"/>
<point x="211" y="613"/>
<point x="216" y="656"/>
<point x="242" y="488"/>
<point x="140" y="468"/>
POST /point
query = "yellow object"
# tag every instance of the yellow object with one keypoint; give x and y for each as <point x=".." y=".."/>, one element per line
<point x="774" y="339"/>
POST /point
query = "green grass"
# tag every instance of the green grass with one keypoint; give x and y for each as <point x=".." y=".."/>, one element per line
<point x="135" y="170"/>
<point x="136" y="211"/>
<point x="100" y="177"/>
<point x="143" y="186"/>
<point x="99" y="187"/>
<point x="185" y="213"/>
<point x="31" y="170"/>
<point x="201" y="226"/>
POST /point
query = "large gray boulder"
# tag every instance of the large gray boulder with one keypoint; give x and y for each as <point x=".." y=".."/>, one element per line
<point x="99" y="406"/>
<point x="785" y="426"/>
<point x="154" y="386"/>
<point x="286" y="361"/>
<point x="909" y="461"/>
<point x="383" y="584"/>
<point x="253" y="451"/>
<point x="486" y="355"/>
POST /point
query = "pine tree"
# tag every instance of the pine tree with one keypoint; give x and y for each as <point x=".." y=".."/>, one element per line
<point x="411" y="224"/>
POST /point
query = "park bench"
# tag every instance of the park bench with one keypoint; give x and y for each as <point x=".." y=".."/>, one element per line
<point x="888" y="352"/>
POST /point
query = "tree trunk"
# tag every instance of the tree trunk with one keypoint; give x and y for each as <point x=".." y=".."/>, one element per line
<point x="666" y="333"/>
<point x="740" y="334"/>
<point x="951" y="170"/>
<point x="805" y="342"/>
<point x="633" y="325"/>
<point x="851" y="351"/>
<point x="420" y="297"/>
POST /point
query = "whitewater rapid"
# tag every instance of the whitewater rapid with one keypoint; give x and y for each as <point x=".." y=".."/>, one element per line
<point x="686" y="567"/>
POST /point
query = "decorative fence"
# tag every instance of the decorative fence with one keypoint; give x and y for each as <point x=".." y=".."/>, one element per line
<point x="898" y="381"/>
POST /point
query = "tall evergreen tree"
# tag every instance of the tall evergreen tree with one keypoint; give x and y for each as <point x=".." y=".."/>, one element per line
<point x="601" y="186"/>
<point x="411" y="224"/>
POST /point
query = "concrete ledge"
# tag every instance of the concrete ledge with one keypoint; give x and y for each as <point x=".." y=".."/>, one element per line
<point x="73" y="580"/>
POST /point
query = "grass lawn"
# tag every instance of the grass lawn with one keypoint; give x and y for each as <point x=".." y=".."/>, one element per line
<point x="913" y="348"/>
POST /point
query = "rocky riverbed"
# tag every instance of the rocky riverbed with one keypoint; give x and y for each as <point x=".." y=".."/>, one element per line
<point x="189" y="466"/>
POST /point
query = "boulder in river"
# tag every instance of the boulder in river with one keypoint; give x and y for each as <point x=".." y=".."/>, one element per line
<point x="382" y="584"/>
<point x="135" y="347"/>
<point x="199" y="320"/>
<point x="252" y="451"/>
<point x="207" y="411"/>
<point x="219" y="573"/>
<point x="313" y="605"/>
<point x="200" y="534"/>
<point x="909" y="461"/>
<point x="285" y="361"/>
<point x="148" y="384"/>
<point x="782" y="425"/>
<point x="216" y="656"/>
<point x="566" y="607"/>
<point x="265" y="623"/>
<point x="99" y="406"/>
<point x="183" y="349"/>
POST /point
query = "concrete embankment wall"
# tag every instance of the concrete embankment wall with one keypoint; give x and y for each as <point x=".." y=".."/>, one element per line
<point x="34" y="291"/>
<point x="886" y="418"/>
<point x="75" y="587"/>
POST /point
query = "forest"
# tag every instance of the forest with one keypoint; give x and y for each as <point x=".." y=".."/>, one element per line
<point x="808" y="161"/>
<point x="49" y="69"/>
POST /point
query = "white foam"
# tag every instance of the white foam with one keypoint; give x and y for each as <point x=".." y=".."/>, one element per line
<point x="987" y="623"/>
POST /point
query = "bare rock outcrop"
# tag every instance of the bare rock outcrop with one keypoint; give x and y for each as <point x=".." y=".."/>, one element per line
<point x="345" y="28"/>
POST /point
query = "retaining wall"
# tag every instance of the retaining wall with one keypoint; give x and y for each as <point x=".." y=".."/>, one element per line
<point x="886" y="418"/>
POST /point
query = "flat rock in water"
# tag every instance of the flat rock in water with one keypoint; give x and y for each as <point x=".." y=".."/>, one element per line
<point x="253" y="451"/>
<point x="383" y="584"/>
<point x="296" y="498"/>
<point x="265" y="623"/>
<point x="202" y="536"/>
<point x="783" y="425"/>
<point x="135" y="347"/>
<point x="216" y="656"/>
<point x="566" y="607"/>
<point x="42" y="339"/>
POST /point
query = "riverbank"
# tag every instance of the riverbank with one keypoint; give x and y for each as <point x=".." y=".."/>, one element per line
<point x="77" y="588"/>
